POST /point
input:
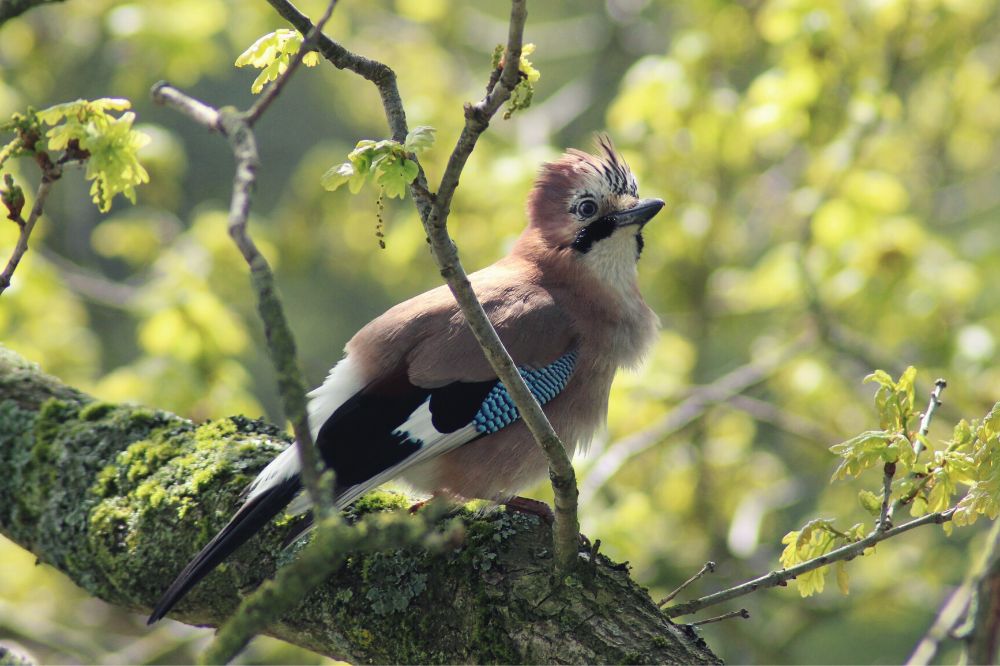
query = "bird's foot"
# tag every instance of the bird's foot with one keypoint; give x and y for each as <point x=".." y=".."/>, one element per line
<point x="417" y="506"/>
<point x="530" y="506"/>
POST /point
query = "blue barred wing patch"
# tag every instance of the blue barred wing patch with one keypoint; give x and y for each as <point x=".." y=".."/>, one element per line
<point x="498" y="410"/>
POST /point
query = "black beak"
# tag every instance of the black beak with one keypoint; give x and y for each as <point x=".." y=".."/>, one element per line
<point x="639" y="214"/>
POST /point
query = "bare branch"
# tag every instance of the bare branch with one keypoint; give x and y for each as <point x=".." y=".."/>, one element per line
<point x="201" y="113"/>
<point x="708" y="568"/>
<point x="26" y="227"/>
<point x="782" y="576"/>
<point x="884" y="517"/>
<point x="741" y="613"/>
<point x="925" y="422"/>
<point x="281" y="343"/>
<point x="925" y="426"/>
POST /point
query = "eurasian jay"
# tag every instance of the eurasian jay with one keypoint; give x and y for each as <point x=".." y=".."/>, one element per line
<point x="414" y="396"/>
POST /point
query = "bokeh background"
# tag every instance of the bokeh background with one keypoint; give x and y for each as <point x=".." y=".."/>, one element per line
<point x="832" y="178"/>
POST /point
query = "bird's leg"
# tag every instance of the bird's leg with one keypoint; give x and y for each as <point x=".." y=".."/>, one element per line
<point x="534" y="507"/>
<point x="417" y="506"/>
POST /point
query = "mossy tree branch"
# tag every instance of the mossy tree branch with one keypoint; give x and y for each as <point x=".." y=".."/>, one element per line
<point x="120" y="497"/>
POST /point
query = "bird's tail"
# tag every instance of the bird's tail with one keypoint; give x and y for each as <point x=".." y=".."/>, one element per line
<point x="253" y="515"/>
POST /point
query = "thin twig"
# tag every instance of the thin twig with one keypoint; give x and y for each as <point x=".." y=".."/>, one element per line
<point x="782" y="576"/>
<point x="309" y="41"/>
<point x="26" y="227"/>
<point x="925" y="426"/>
<point x="281" y="343"/>
<point x="741" y="613"/>
<point x="925" y="422"/>
<point x="884" y="517"/>
<point x="708" y="568"/>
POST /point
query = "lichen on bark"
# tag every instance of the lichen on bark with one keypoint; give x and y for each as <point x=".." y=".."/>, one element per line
<point x="119" y="497"/>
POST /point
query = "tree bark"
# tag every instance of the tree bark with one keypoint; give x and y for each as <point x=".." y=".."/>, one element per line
<point x="119" y="497"/>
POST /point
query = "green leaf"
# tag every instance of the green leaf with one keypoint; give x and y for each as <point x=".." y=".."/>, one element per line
<point x="336" y="176"/>
<point x="419" y="139"/>
<point x="861" y="452"/>
<point x="383" y="161"/>
<point x="880" y="377"/>
<point x="272" y="53"/>
<point x="870" y="502"/>
<point x="110" y="145"/>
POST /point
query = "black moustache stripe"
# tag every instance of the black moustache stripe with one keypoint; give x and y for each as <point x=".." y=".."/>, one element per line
<point x="597" y="230"/>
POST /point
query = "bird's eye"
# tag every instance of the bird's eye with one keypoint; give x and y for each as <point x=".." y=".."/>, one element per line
<point x="587" y="208"/>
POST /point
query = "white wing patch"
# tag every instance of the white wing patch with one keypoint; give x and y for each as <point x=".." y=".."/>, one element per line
<point x="340" y="385"/>
<point x="282" y="468"/>
<point x="418" y="427"/>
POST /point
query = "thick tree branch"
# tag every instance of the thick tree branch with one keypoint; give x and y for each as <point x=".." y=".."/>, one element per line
<point x="120" y="497"/>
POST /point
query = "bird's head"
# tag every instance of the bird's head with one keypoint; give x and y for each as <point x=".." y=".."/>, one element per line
<point x="587" y="207"/>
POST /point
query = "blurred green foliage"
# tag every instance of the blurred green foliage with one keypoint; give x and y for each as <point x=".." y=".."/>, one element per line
<point x="832" y="175"/>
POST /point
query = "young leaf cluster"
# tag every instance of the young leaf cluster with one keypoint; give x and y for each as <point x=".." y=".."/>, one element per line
<point x="272" y="54"/>
<point x="891" y="443"/>
<point x="86" y="130"/>
<point x="971" y="458"/>
<point x="385" y="162"/>
<point x="927" y="482"/>
<point x="816" y="539"/>
<point x="524" y="91"/>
